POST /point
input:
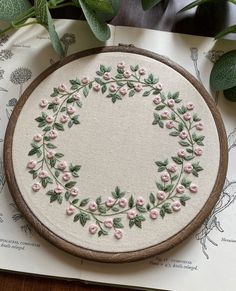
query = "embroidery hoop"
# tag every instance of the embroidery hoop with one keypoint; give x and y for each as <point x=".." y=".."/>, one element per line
<point x="111" y="256"/>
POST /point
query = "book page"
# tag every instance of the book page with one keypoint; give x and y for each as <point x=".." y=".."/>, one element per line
<point x="23" y="56"/>
<point x="205" y="261"/>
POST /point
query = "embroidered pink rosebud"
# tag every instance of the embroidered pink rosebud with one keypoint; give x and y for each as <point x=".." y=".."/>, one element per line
<point x="76" y="96"/>
<point x="138" y="87"/>
<point x="110" y="201"/>
<point x="131" y="214"/>
<point x="199" y="126"/>
<point x="70" y="110"/>
<point x="62" y="88"/>
<point x="181" y="153"/>
<point x="121" y="65"/>
<point x="198" y="151"/>
<point x="93" y="228"/>
<point x="122" y="202"/>
<point x="107" y="76"/>
<point x="171" y="102"/>
<point x="66" y="177"/>
<point x="157" y="100"/>
<point x="161" y="195"/>
<point x="74" y="191"/>
<point x="50" y="154"/>
<point x="43" y="174"/>
<point x="70" y="210"/>
<point x="62" y="165"/>
<point x="187" y="116"/>
<point x="96" y="87"/>
<point x="37" y="137"/>
<point x="172" y="168"/>
<point x="85" y="80"/>
<point x="58" y="190"/>
<point x="169" y="124"/>
<point x="190" y="106"/>
<point x="165" y="114"/>
<point x="108" y="223"/>
<point x="43" y="103"/>
<point x="140" y="201"/>
<point x="31" y="164"/>
<point x="154" y="214"/>
<point x="165" y="177"/>
<point x="64" y="118"/>
<point x="49" y="119"/>
<point x="112" y="88"/>
<point x="118" y="233"/>
<point x="127" y="74"/>
<point x="36" y="187"/>
<point x="193" y="188"/>
<point x="188" y="168"/>
<point x="56" y="100"/>
<point x="52" y="134"/>
<point x="158" y="86"/>
<point x="93" y="206"/>
<point x="183" y="134"/>
<point x="123" y="91"/>
<point x="176" y="206"/>
<point x="180" y="189"/>
<point x="142" y="71"/>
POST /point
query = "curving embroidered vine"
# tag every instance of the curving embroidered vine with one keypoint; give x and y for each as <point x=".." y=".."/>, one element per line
<point x="174" y="185"/>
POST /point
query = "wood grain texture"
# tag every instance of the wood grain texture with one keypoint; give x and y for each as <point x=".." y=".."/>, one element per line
<point x="166" y="19"/>
<point x="111" y="257"/>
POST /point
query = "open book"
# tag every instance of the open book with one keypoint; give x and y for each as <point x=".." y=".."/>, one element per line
<point x="206" y="261"/>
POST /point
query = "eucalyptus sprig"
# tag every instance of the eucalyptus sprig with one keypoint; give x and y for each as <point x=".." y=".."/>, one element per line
<point x="223" y="74"/>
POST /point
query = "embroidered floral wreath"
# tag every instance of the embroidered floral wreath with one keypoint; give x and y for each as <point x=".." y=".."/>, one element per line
<point x="174" y="185"/>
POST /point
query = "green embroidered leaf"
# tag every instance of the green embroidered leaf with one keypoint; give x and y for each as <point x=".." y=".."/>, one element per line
<point x="59" y="155"/>
<point x="160" y="107"/>
<point x="102" y="209"/>
<point x="53" y="198"/>
<point x="99" y="200"/>
<point x="175" y="177"/>
<point x="183" y="200"/>
<point x="115" y="208"/>
<point x="50" y="192"/>
<point x="174" y="133"/>
<point x="104" y="88"/>
<point x="32" y="152"/>
<point x="189" y="151"/>
<point x="85" y="91"/>
<point x="131" y="93"/>
<point x="169" y="188"/>
<point x="166" y="208"/>
<point x="185" y="182"/>
<point x="141" y="209"/>
<point x="52" y="162"/>
<point x="160" y="186"/>
<point x="99" y="73"/>
<point x="161" y="169"/>
<point x="188" y="158"/>
<point x="152" y="198"/>
<point x="76" y="217"/>
<point x="131" y="223"/>
<point x="146" y="93"/>
<point x="42" y="124"/>
<point x="117" y="222"/>
<point x="97" y="25"/>
<point x="184" y="143"/>
<point x="99" y="81"/>
<point x="84" y="202"/>
<point x="180" y="126"/>
<point x="182" y="110"/>
<point x="161" y="124"/>
<point x="102" y="232"/>
<point x="47" y="128"/>
<point x="10" y="9"/>
<point x="67" y="195"/>
<point x="162" y="213"/>
<point x="131" y="201"/>
<point x="75" y="201"/>
<point x="130" y="84"/>
<point x="59" y="126"/>
<point x="70" y="184"/>
<point x="134" y="68"/>
<point x="177" y="160"/>
<point x="79" y="103"/>
<point x="157" y="118"/>
<point x="197" y="167"/>
<point x="50" y="146"/>
<point x="196" y="118"/>
<point x="39" y="119"/>
<point x="148" y="206"/>
<point x="175" y="95"/>
<point x="55" y="92"/>
<point x="163" y="97"/>
<point x="118" y="194"/>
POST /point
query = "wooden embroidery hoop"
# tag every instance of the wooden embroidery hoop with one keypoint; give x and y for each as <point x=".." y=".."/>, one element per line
<point x="110" y="257"/>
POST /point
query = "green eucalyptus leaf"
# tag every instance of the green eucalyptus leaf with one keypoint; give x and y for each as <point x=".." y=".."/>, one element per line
<point x="41" y="11"/>
<point x="10" y="9"/>
<point x="227" y="30"/>
<point x="99" y="27"/>
<point x="194" y="4"/>
<point x="230" y="94"/>
<point x="147" y="4"/>
<point x="115" y="8"/>
<point x="104" y="6"/>
<point x="56" y="43"/>
<point x="223" y="74"/>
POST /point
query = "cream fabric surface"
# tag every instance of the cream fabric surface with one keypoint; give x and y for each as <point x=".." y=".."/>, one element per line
<point x="117" y="145"/>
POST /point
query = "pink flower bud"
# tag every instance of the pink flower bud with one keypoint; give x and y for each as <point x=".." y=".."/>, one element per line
<point x="161" y="195"/>
<point x="180" y="189"/>
<point x="93" y="206"/>
<point x="122" y="202"/>
<point x="74" y="191"/>
<point x="70" y="110"/>
<point x="70" y="210"/>
<point x="36" y="187"/>
<point x="50" y="154"/>
<point x="121" y="65"/>
<point x="56" y="100"/>
<point x="190" y="106"/>
<point x="118" y="233"/>
<point x="165" y="177"/>
<point x="62" y="88"/>
<point x="169" y="124"/>
<point x="154" y="213"/>
<point x="188" y="168"/>
<point x="64" y="118"/>
<point x="43" y="103"/>
<point x="171" y="102"/>
<point x="66" y="177"/>
<point x="31" y="164"/>
<point x="181" y="153"/>
<point x="142" y="71"/>
<point x="193" y="188"/>
<point x="165" y="114"/>
<point x="37" y="138"/>
<point x="43" y="174"/>
<point x="93" y="228"/>
<point x="85" y="80"/>
<point x="52" y="134"/>
<point x="131" y="214"/>
<point x="76" y="96"/>
<point x="123" y="91"/>
<point x="108" y="223"/>
<point x="49" y="119"/>
<point x="58" y="190"/>
<point x="187" y="116"/>
<point x="112" y="88"/>
<point x="138" y="87"/>
<point x="110" y="201"/>
<point x="140" y="201"/>
<point x="176" y="206"/>
<point x="96" y="87"/>
<point x="183" y="134"/>
<point x="199" y="126"/>
<point x="62" y="165"/>
<point x="107" y="76"/>
<point x="198" y="151"/>
<point x="157" y="100"/>
<point x="172" y="168"/>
